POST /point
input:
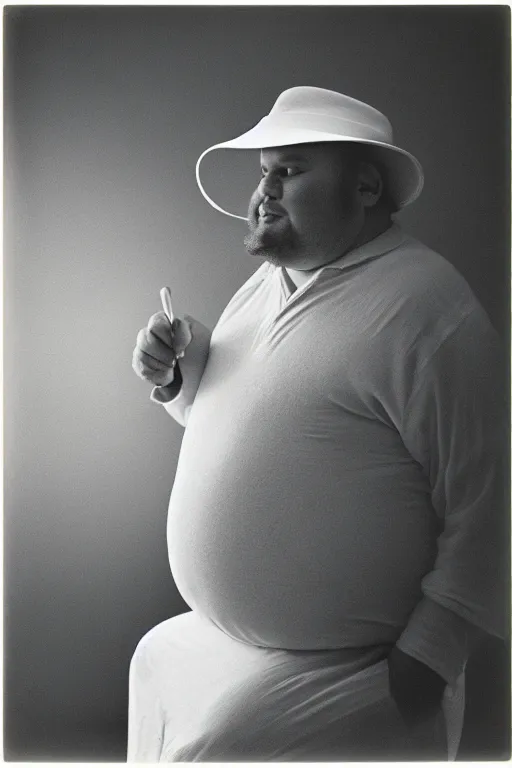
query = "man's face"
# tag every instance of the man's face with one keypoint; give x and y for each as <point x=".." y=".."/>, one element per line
<point x="305" y="211"/>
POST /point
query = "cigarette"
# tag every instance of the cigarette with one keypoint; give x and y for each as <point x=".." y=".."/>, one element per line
<point x="165" y="296"/>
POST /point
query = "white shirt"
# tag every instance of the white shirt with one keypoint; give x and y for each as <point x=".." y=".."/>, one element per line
<point x="341" y="480"/>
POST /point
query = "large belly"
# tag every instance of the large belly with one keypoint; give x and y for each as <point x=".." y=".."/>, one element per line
<point x="290" y="530"/>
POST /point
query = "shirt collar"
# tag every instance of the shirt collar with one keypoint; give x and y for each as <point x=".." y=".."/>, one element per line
<point x="387" y="241"/>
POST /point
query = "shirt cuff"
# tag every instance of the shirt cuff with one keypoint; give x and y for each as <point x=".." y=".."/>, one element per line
<point x="171" y="391"/>
<point x="177" y="397"/>
<point x="439" y="638"/>
<point x="165" y="394"/>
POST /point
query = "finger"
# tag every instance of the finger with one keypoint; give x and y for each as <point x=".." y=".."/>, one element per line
<point x="150" y="344"/>
<point x="160" y="350"/>
<point x="150" y="362"/>
<point x="158" y="378"/>
<point x="160" y="327"/>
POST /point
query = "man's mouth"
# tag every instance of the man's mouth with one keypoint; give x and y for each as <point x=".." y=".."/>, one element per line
<point x="268" y="218"/>
<point x="268" y="214"/>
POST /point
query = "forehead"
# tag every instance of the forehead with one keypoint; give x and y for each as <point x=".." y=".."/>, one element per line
<point x="310" y="153"/>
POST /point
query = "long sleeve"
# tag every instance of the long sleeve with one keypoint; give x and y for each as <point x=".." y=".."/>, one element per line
<point x="439" y="638"/>
<point x="178" y="397"/>
<point x="456" y="427"/>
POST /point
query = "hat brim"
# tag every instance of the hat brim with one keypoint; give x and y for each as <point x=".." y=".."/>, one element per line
<point x="405" y="176"/>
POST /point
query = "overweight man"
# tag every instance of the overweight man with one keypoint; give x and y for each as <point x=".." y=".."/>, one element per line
<point x="337" y="516"/>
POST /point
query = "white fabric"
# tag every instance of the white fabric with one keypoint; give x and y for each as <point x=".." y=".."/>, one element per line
<point x="335" y="433"/>
<point x="340" y="474"/>
<point x="198" y="695"/>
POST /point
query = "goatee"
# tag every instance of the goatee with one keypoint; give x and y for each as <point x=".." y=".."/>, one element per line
<point x="275" y="247"/>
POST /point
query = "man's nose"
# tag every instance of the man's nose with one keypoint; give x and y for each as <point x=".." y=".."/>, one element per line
<point x="270" y="186"/>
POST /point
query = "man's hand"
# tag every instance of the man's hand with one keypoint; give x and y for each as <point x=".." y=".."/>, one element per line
<point x="416" y="689"/>
<point x="158" y="348"/>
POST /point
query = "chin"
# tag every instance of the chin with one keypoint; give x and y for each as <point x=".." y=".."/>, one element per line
<point x="270" y="255"/>
<point x="277" y="249"/>
<point x="274" y="254"/>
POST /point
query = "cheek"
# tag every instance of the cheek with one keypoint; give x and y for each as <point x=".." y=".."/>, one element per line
<point x="315" y="209"/>
<point x="313" y="193"/>
<point x="304" y="205"/>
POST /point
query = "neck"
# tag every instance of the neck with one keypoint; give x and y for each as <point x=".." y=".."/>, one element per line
<point x="373" y="227"/>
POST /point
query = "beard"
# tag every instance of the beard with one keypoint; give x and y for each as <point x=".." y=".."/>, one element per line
<point x="325" y="236"/>
<point x="276" y="242"/>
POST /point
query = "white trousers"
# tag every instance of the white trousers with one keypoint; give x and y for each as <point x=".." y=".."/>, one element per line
<point x="195" y="694"/>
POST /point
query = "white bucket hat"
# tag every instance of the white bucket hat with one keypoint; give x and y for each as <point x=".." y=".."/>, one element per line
<point x="306" y="115"/>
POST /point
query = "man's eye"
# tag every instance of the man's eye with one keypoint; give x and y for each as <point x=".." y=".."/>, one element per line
<point x="285" y="171"/>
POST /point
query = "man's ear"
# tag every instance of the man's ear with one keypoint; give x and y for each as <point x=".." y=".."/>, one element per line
<point x="369" y="184"/>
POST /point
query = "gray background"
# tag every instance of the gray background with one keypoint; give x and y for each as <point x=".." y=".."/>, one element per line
<point x="106" y="111"/>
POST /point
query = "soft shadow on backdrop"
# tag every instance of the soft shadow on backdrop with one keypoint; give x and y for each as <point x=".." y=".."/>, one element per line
<point x="106" y="111"/>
